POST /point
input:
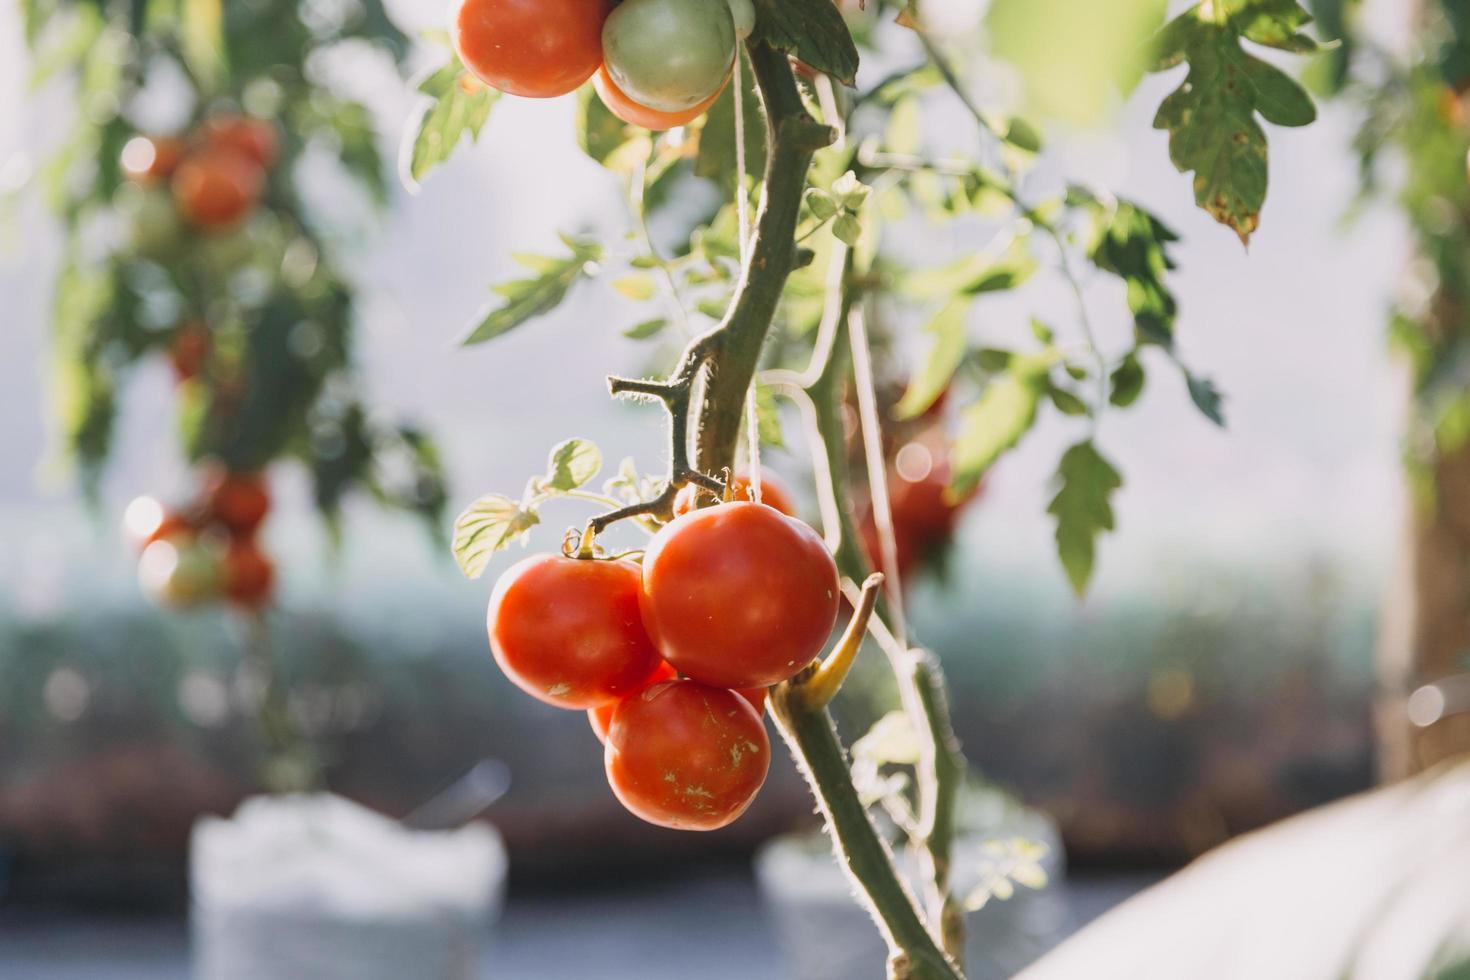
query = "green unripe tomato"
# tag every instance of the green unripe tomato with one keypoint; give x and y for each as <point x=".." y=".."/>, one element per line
<point x="153" y="225"/>
<point x="180" y="572"/>
<point x="669" y="55"/>
<point x="743" y="13"/>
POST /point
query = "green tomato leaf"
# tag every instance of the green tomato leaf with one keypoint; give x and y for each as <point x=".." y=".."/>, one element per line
<point x="488" y="525"/>
<point x="977" y="273"/>
<point x="572" y="464"/>
<point x="1206" y="397"/>
<point x="944" y="358"/>
<point x="646" y="329"/>
<point x="606" y="138"/>
<point x="1073" y="57"/>
<point x="202" y="39"/>
<point x="716" y="157"/>
<point x="526" y="299"/>
<point x="821" y="204"/>
<point x="1126" y="382"/>
<point x="1211" y="117"/>
<point x="639" y="287"/>
<point x="812" y="30"/>
<point x="1083" y="509"/>
<point x="1003" y="414"/>
<point x="1132" y="244"/>
<point x="456" y="109"/>
<point x="1066" y="402"/>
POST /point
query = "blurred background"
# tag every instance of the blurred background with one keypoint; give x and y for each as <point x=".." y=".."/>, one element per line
<point x="1218" y="676"/>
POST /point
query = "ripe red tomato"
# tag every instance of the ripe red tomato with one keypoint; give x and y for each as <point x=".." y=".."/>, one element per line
<point x="600" y="717"/>
<point x="239" y="501"/>
<point x="189" y="350"/>
<point x="146" y="520"/>
<point x="636" y="114"/>
<point x="248" y="574"/>
<point x="738" y="595"/>
<point x="255" y="138"/>
<point x="150" y="159"/>
<point x="534" y="48"/>
<point x="216" y="187"/>
<point x="773" y="494"/>
<point x="684" y="755"/>
<point x="567" y="630"/>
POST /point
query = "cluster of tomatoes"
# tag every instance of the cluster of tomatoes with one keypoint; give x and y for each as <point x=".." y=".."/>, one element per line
<point x="671" y="656"/>
<point x="208" y="550"/>
<point x="216" y="174"/>
<point x="655" y="63"/>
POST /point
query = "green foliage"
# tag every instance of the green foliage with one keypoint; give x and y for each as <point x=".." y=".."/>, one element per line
<point x="812" y="30"/>
<point x="458" y="107"/>
<point x="271" y="314"/>
<point x="1211" y="117"/>
<point x="538" y="294"/>
<point x="1074" y="55"/>
<point x="1083" y="509"/>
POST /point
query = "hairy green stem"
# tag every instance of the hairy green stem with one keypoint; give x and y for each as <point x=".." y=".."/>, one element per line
<point x="940" y="772"/>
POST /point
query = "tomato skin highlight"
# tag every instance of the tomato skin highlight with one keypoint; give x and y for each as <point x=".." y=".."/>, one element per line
<point x="216" y="187"/>
<point x="149" y="160"/>
<point x="636" y="114"/>
<point x="567" y="630"/>
<point x="687" y="756"/>
<point x="738" y="595"/>
<point x="669" y="55"/>
<point x="773" y="494"/>
<point x="537" y="49"/>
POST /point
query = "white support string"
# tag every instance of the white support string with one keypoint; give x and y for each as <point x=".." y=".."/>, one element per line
<point x="867" y="397"/>
<point x="742" y="208"/>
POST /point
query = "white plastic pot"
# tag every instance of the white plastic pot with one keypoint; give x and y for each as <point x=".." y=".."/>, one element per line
<point x="826" y="935"/>
<point x="315" y="886"/>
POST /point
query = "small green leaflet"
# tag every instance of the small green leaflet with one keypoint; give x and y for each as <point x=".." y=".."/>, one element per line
<point x="944" y="358"/>
<point x="998" y="420"/>
<point x="1211" y="117"/>
<point x="526" y="299"/>
<point x="1127" y="382"/>
<point x="639" y="286"/>
<point x="572" y="464"/>
<point x="1082" y="509"/>
<point x="1206" y="397"/>
<point x="812" y="30"/>
<point x="454" y="111"/>
<point x="202" y="38"/>
<point x="977" y="273"/>
<point x="486" y="526"/>
<point x="646" y="329"/>
<point x="1133" y="245"/>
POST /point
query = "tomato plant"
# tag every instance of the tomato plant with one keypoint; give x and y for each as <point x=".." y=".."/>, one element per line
<point x="687" y="756"/>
